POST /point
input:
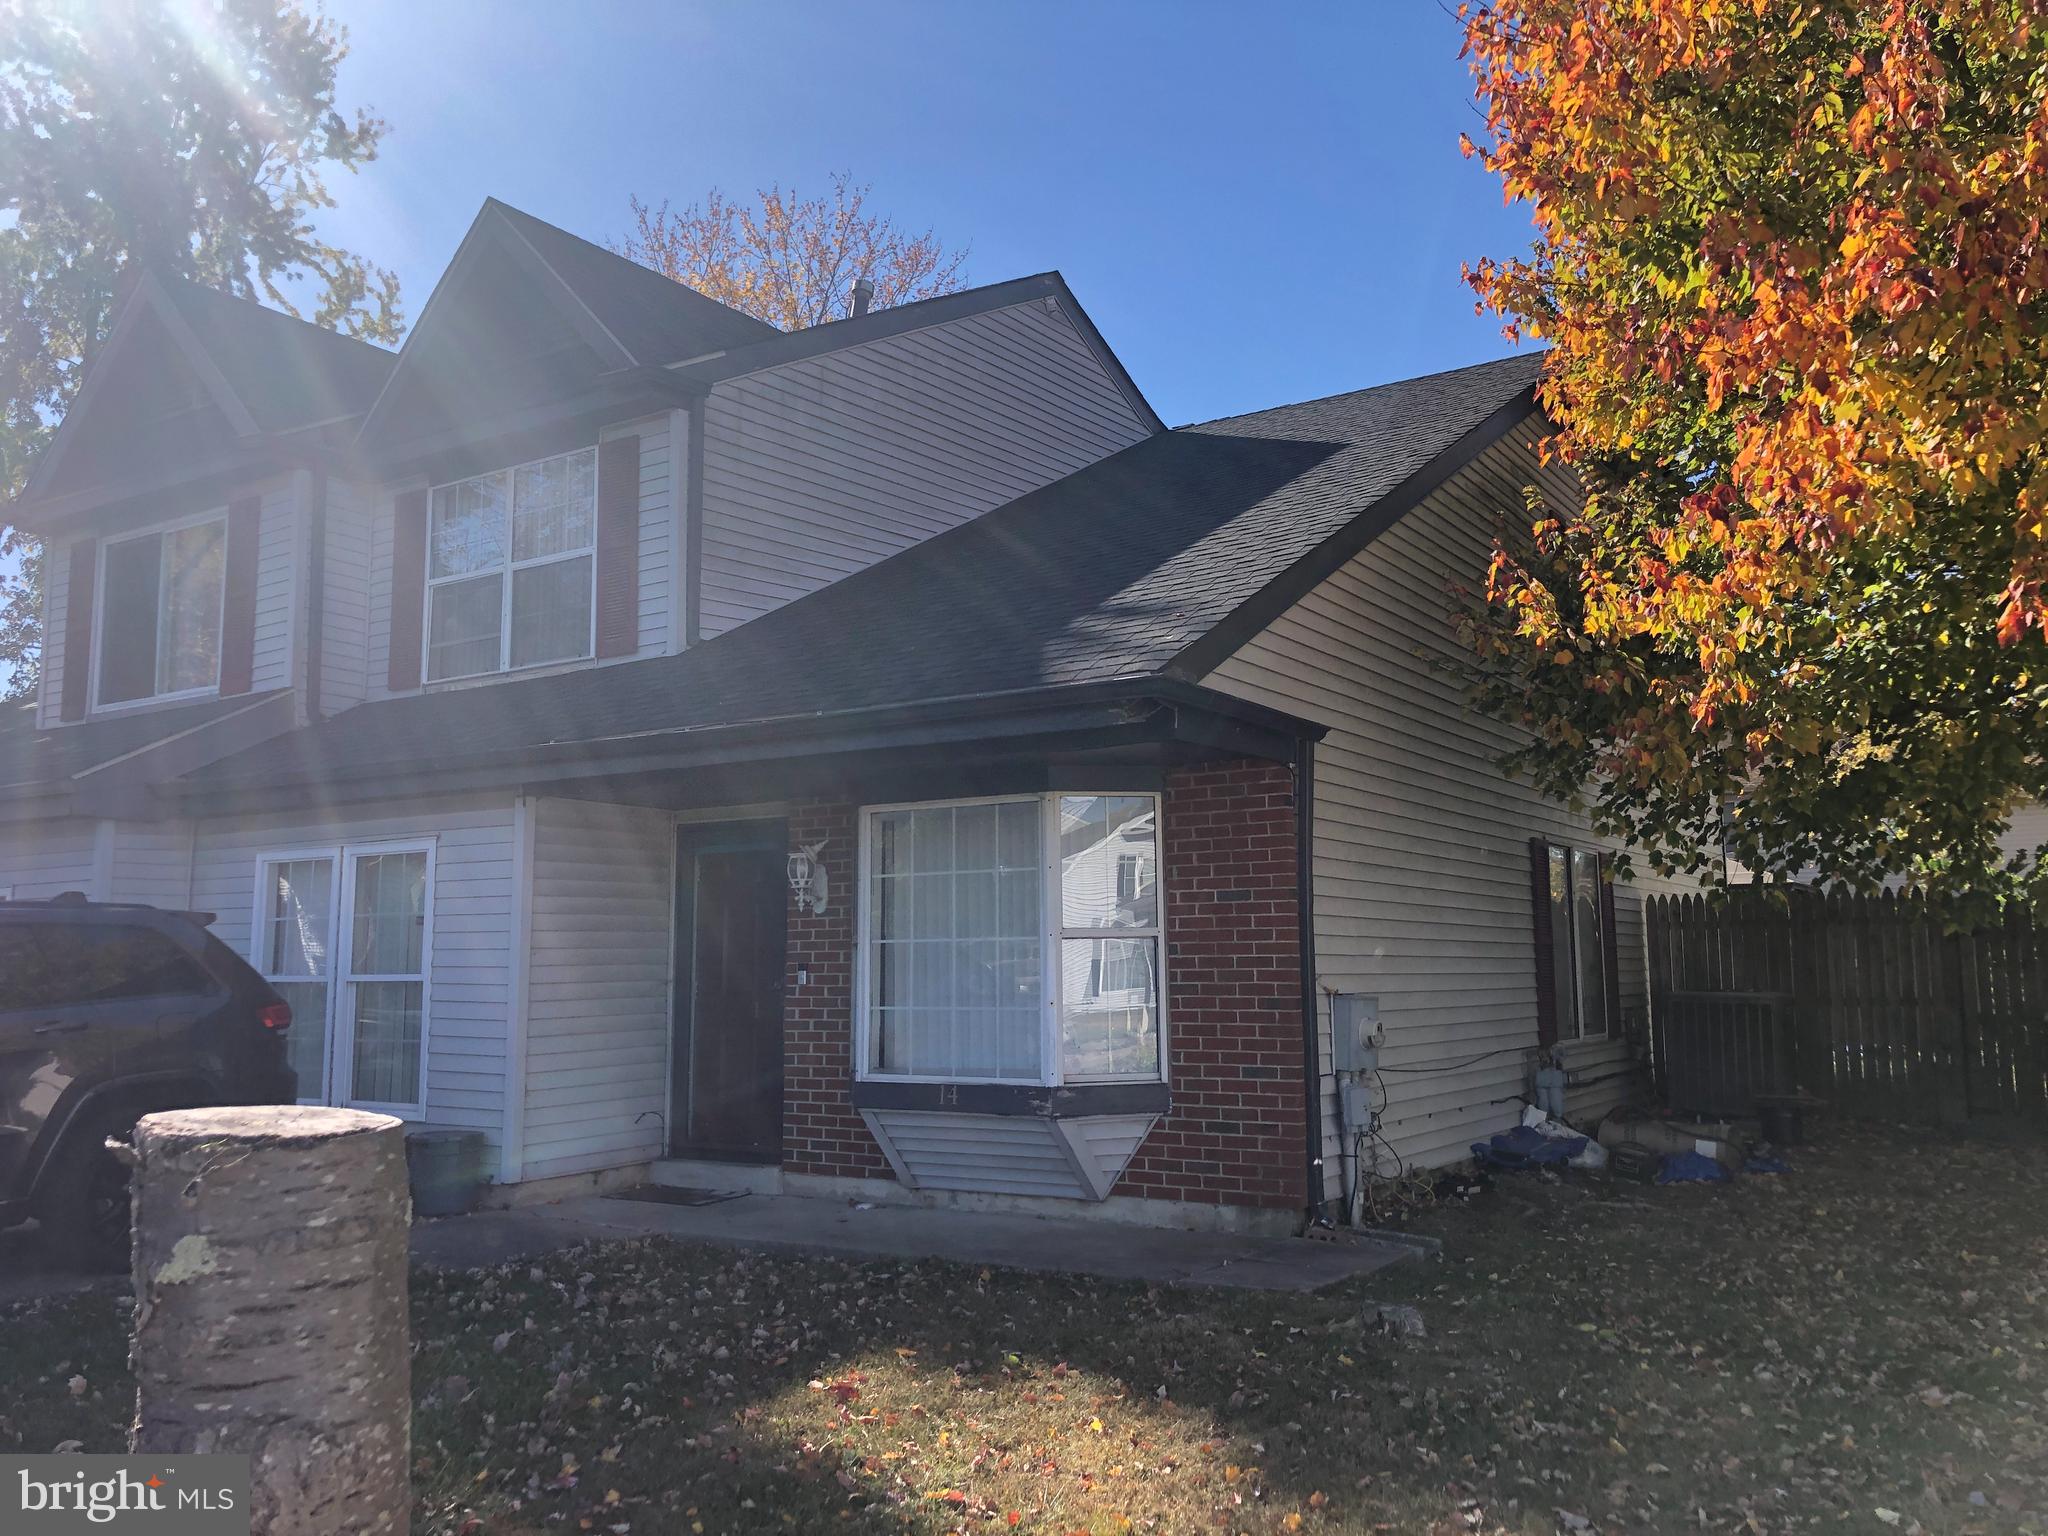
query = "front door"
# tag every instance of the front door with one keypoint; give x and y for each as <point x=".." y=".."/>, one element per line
<point x="731" y="911"/>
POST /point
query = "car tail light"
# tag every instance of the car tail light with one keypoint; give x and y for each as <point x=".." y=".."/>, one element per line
<point x="275" y="1016"/>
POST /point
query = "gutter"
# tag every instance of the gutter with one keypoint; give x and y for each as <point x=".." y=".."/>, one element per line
<point x="1118" y="705"/>
<point x="1315" y="1213"/>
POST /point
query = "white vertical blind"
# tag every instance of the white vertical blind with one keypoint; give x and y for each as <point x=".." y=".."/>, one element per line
<point x="957" y="952"/>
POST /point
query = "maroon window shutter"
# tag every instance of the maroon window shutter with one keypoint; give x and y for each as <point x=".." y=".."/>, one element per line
<point x="238" y="597"/>
<point x="1546" y="955"/>
<point x="618" y="547"/>
<point x="78" y="631"/>
<point x="408" y="588"/>
<point x="1610" y="948"/>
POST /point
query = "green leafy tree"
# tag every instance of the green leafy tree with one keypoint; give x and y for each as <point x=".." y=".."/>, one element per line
<point x="194" y="138"/>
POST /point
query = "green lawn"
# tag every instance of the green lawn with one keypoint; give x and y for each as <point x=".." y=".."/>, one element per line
<point x="1860" y="1346"/>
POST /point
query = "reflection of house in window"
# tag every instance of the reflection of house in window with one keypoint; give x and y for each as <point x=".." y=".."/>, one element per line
<point x="1109" y="954"/>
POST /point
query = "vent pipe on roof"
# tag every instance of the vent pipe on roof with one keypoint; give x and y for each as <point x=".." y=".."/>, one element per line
<point x="863" y="296"/>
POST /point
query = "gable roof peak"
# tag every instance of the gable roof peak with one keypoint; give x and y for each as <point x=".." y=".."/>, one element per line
<point x="657" y="319"/>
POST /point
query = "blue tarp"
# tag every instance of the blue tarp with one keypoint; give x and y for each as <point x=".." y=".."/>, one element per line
<point x="1691" y="1168"/>
<point x="1525" y="1148"/>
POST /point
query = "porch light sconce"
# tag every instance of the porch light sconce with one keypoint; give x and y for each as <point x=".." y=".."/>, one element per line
<point x="807" y="880"/>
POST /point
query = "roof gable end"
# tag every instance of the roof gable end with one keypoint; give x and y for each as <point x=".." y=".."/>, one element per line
<point x="499" y="303"/>
<point x="148" y="321"/>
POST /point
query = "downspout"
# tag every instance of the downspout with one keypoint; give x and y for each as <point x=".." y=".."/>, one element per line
<point x="1316" y="1215"/>
<point x="693" y="526"/>
<point x="316" y="595"/>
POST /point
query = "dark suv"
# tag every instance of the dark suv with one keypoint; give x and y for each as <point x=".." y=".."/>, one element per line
<point x="108" y="1012"/>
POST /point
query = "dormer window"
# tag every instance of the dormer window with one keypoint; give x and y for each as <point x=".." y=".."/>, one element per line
<point x="511" y="568"/>
<point x="160" y="608"/>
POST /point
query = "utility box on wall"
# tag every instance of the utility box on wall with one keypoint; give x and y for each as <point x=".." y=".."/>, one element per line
<point x="1355" y="1024"/>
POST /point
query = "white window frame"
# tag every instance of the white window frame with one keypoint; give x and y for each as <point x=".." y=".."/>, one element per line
<point x="100" y="616"/>
<point x="346" y="979"/>
<point x="1052" y="1071"/>
<point x="259" y="943"/>
<point x="506" y="569"/>
<point x="342" y="978"/>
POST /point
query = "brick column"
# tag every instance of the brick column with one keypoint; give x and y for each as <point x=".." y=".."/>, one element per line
<point x="822" y="1133"/>
<point x="1233" y="976"/>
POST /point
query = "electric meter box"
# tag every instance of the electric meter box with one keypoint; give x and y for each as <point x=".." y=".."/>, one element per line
<point x="1355" y="1022"/>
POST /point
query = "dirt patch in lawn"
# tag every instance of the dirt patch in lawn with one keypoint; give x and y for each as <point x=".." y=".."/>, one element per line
<point x="1862" y="1345"/>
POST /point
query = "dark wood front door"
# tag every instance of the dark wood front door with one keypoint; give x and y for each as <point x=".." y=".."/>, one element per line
<point x="731" y="914"/>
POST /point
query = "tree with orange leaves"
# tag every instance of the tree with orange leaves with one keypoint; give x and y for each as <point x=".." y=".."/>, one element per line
<point x="1791" y="267"/>
<point x="792" y="261"/>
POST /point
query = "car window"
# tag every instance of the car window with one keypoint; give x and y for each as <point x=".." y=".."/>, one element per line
<point x="47" y="965"/>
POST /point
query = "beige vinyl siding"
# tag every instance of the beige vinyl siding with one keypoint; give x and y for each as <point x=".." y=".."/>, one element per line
<point x="56" y="608"/>
<point x="597" y="987"/>
<point x="1422" y="866"/>
<point x="819" y="468"/>
<point x="469" y="981"/>
<point x="377" y="650"/>
<point x="657" y="535"/>
<point x="47" y="858"/>
<point x="152" y="863"/>
<point x="345" y="596"/>
<point x="2029" y="829"/>
<point x="278" y="546"/>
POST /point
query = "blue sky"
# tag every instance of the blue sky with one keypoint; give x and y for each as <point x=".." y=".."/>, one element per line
<point x="1256" y="204"/>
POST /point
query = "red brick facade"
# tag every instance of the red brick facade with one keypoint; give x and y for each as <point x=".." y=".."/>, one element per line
<point x="822" y="1133"/>
<point x="1234" y="1135"/>
<point x="1233" y="1011"/>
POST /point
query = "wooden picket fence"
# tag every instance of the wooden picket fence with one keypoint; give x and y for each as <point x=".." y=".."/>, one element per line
<point x="1866" y="1002"/>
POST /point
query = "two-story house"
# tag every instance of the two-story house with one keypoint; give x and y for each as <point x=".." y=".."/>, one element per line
<point x="878" y="758"/>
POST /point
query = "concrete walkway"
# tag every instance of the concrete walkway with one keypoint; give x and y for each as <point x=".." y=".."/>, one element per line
<point x="835" y="1229"/>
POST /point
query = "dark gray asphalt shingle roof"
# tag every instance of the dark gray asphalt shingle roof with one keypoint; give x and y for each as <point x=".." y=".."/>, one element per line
<point x="1111" y="573"/>
<point x="656" y="319"/>
<point x="32" y="757"/>
<point x="287" y="372"/>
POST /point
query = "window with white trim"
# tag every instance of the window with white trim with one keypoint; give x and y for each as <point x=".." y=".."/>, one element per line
<point x="160" y="612"/>
<point x="298" y="903"/>
<point x="345" y="935"/>
<point x="1012" y="940"/>
<point x="512" y="568"/>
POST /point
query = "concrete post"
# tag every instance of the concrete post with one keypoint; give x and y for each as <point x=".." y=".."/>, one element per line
<point x="270" y="1308"/>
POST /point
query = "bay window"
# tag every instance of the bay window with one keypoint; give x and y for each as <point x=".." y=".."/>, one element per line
<point x="511" y="568"/>
<point x="160" y="612"/>
<point x="1012" y="940"/>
